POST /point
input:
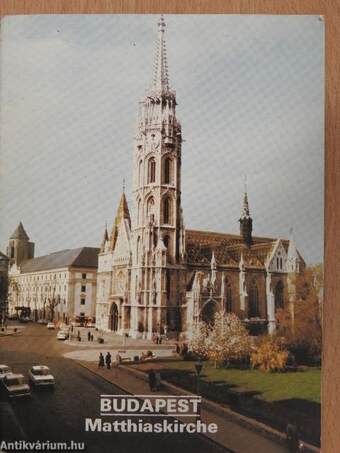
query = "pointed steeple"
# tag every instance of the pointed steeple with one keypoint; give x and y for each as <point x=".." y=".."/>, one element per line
<point x="246" y="222"/>
<point x="105" y="239"/>
<point x="20" y="233"/>
<point x="245" y="210"/>
<point x="122" y="213"/>
<point x="161" y="76"/>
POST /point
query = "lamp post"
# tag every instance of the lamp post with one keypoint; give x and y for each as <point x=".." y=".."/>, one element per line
<point x="198" y="367"/>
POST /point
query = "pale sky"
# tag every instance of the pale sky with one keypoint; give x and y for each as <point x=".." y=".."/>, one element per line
<point x="250" y="93"/>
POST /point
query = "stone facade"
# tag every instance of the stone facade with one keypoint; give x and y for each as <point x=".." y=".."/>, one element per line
<point x="156" y="276"/>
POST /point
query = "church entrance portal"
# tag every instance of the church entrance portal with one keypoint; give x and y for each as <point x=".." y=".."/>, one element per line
<point x="113" y="318"/>
<point x="208" y="312"/>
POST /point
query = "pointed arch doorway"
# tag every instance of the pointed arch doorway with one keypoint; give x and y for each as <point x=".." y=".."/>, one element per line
<point x="113" y="321"/>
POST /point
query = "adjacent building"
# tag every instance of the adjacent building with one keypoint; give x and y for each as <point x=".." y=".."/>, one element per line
<point x="59" y="286"/>
<point x="154" y="275"/>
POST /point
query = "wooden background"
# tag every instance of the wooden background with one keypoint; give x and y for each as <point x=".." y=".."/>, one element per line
<point x="331" y="10"/>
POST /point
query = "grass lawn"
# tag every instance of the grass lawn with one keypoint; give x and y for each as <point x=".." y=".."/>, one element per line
<point x="272" y="387"/>
<point x="272" y="398"/>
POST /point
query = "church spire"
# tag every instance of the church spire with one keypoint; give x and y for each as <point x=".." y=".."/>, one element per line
<point x="246" y="222"/>
<point x="122" y="213"/>
<point x="161" y="76"/>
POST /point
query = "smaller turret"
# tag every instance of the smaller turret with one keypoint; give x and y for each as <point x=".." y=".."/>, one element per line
<point x="19" y="247"/>
<point x="104" y="241"/>
<point x="122" y="213"/>
<point x="246" y="222"/>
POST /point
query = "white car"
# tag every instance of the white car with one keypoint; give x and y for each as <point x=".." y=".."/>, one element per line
<point x="4" y="370"/>
<point x="62" y="335"/>
<point x="15" y="385"/>
<point x="40" y="375"/>
<point x="50" y="325"/>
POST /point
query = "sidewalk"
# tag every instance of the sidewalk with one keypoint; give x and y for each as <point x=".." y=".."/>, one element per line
<point x="113" y="340"/>
<point x="230" y="434"/>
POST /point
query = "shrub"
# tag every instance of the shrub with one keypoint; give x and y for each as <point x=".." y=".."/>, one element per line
<point x="270" y="355"/>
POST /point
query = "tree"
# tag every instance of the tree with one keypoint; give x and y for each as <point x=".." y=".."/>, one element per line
<point x="52" y="303"/>
<point x="199" y="340"/>
<point x="302" y="324"/>
<point x="228" y="339"/>
<point x="270" y="355"/>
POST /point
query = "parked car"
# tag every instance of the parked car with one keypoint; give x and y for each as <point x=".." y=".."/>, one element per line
<point x="4" y="370"/>
<point x="42" y="321"/>
<point x="90" y="324"/>
<point x="50" y="325"/>
<point x="62" y="335"/>
<point x="40" y="375"/>
<point x="24" y="319"/>
<point x="15" y="386"/>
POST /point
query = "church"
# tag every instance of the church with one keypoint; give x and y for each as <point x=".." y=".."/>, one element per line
<point x="156" y="276"/>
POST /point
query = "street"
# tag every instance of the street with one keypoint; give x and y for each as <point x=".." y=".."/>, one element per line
<point x="59" y="414"/>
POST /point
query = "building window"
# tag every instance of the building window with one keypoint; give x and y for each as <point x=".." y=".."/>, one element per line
<point x="82" y="301"/>
<point x="83" y="276"/>
<point x="279" y="302"/>
<point x="150" y="209"/>
<point x="253" y="308"/>
<point x="167" y="171"/>
<point x="166" y="210"/>
<point x="152" y="170"/>
<point x="83" y="288"/>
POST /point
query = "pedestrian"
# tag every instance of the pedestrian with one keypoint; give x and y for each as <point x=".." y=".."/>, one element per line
<point x="91" y="337"/>
<point x="292" y="437"/>
<point x="101" y="361"/>
<point x="178" y="349"/>
<point x="152" y="380"/>
<point x="160" y="339"/>
<point x="118" y="360"/>
<point x="108" y="361"/>
<point x="157" y="380"/>
<point x="88" y="336"/>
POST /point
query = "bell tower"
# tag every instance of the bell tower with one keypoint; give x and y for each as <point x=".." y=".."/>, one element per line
<point x="157" y="224"/>
<point x="19" y="247"/>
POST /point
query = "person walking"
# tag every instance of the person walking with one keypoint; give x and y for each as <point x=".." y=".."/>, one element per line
<point x="88" y="336"/>
<point x="108" y="361"/>
<point x="152" y="380"/>
<point x="101" y="361"/>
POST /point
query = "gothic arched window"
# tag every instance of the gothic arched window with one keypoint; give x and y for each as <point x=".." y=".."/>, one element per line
<point x="167" y="170"/>
<point x="151" y="170"/>
<point x="150" y="209"/>
<point x="279" y="301"/>
<point x="166" y="241"/>
<point x="167" y="211"/>
<point x="229" y="297"/>
<point x="253" y="307"/>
